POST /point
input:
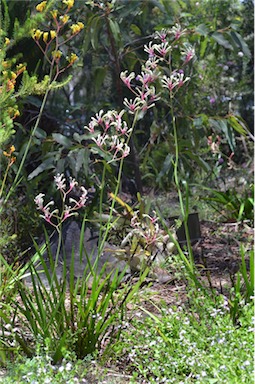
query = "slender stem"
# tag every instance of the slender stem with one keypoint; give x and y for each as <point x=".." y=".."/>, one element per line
<point x="4" y="179"/>
<point x="184" y="211"/>
<point x="117" y="187"/>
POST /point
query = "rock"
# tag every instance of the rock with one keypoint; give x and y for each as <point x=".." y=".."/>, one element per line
<point x="85" y="258"/>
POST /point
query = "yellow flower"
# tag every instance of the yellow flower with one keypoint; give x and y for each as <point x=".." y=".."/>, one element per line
<point x="12" y="160"/>
<point x="9" y="152"/>
<point x="72" y="58"/>
<point x="53" y="34"/>
<point x="76" y="28"/>
<point x="10" y="85"/>
<point x="56" y="54"/>
<point x="13" y="75"/>
<point x="54" y="13"/>
<point x="5" y="64"/>
<point x="36" y="34"/>
<point x="40" y="7"/>
<point x="69" y="3"/>
<point x="16" y="114"/>
<point x="64" y="19"/>
<point x="20" y="68"/>
<point x="45" y="37"/>
<point x="80" y="24"/>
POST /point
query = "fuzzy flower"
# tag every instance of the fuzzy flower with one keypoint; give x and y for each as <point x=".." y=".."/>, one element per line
<point x="161" y="35"/>
<point x="76" y="28"/>
<point x="147" y="77"/>
<point x="51" y="215"/>
<point x="177" y="31"/>
<point x="162" y="48"/>
<point x="69" y="3"/>
<point x="36" y="34"/>
<point x="152" y="64"/>
<point x="72" y="58"/>
<point x="60" y="181"/>
<point x="188" y="52"/>
<point x="72" y="183"/>
<point x="150" y="49"/>
<point x="127" y="79"/>
<point x="175" y="80"/>
<point x="84" y="197"/>
<point x="41" y="6"/>
<point x="100" y="140"/>
<point x="39" y="200"/>
<point x="133" y="105"/>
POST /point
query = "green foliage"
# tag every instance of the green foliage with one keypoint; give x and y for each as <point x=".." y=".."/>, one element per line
<point x="243" y="286"/>
<point x="197" y="344"/>
<point x="95" y="308"/>
<point x="231" y="204"/>
<point x="12" y="92"/>
<point x="41" y="369"/>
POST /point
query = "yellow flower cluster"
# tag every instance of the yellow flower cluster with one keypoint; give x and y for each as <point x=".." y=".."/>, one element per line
<point x="54" y="13"/>
<point x="41" y="6"/>
<point x="76" y="28"/>
<point x="9" y="154"/>
<point x="56" y="54"/>
<point x="37" y="33"/>
<point x="72" y="58"/>
<point x="11" y="76"/>
<point x="64" y="19"/>
<point x="10" y="151"/>
<point x="69" y="3"/>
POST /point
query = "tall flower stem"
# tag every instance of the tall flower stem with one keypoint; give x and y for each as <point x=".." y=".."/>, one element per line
<point x="116" y="188"/>
<point x="183" y="208"/>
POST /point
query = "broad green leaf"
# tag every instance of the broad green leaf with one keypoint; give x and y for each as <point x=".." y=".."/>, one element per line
<point x="61" y="139"/>
<point x="233" y="121"/>
<point x="222" y="126"/>
<point x="115" y="29"/>
<point x="202" y="29"/>
<point x="198" y="159"/>
<point x="136" y="29"/>
<point x="46" y="165"/>
<point x="240" y="43"/>
<point x="166" y="168"/>
<point x="203" y="46"/>
<point x="94" y="31"/>
<point x="220" y="39"/>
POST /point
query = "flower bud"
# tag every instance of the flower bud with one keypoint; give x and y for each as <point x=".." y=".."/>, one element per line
<point x="41" y="6"/>
<point x="36" y="34"/>
<point x="45" y="37"/>
<point x="53" y="34"/>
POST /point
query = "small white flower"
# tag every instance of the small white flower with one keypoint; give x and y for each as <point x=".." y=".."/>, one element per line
<point x="68" y="367"/>
<point x="39" y="200"/>
<point x="60" y="181"/>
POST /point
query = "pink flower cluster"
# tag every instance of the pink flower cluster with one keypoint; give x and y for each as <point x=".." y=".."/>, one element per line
<point x="70" y="205"/>
<point x="145" y="94"/>
<point x="158" y="53"/>
<point x="110" y="134"/>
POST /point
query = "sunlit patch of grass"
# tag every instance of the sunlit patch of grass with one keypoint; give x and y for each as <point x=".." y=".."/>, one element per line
<point x="199" y="344"/>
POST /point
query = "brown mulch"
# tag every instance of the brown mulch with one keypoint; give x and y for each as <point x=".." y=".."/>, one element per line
<point x="217" y="257"/>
